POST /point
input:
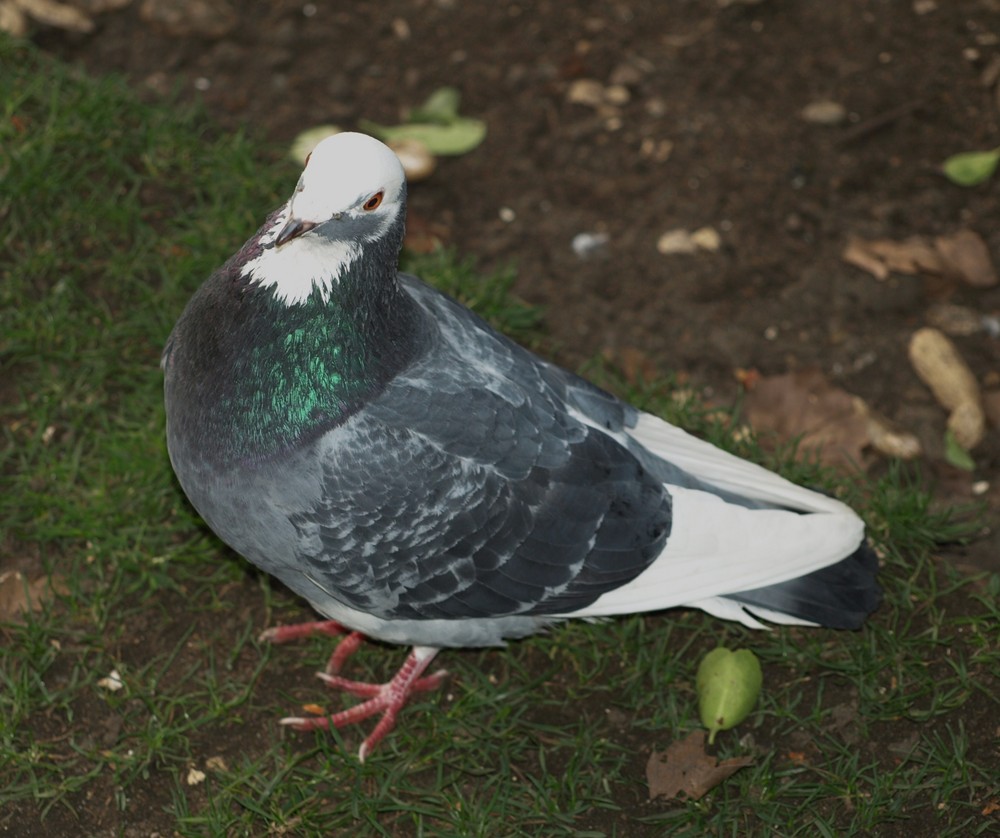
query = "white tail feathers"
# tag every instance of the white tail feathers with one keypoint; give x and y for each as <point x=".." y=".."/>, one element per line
<point x="717" y="548"/>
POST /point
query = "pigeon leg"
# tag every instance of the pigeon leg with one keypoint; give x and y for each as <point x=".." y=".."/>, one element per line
<point x="344" y="649"/>
<point x="284" y="634"/>
<point x="387" y="699"/>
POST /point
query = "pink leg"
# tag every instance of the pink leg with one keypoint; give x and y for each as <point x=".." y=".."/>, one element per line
<point x="387" y="699"/>
<point x="343" y="650"/>
<point x="283" y="634"/>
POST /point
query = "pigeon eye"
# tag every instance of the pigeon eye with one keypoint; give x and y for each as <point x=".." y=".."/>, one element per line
<point x="373" y="202"/>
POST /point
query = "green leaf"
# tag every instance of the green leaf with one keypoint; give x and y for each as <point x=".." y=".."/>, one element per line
<point x="460" y="137"/>
<point x="728" y="684"/>
<point x="955" y="454"/>
<point x="441" y="108"/>
<point x="305" y="142"/>
<point x="971" y="167"/>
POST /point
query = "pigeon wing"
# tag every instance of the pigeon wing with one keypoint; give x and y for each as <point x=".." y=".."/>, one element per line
<point x="468" y="490"/>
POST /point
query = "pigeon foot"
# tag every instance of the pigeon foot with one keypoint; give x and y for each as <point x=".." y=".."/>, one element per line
<point x="343" y="650"/>
<point x="387" y="699"/>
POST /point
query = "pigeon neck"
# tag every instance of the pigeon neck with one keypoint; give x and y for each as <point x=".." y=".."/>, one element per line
<point x="314" y="364"/>
<point x="262" y="377"/>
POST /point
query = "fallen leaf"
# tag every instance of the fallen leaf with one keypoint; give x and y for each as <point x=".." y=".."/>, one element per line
<point x="966" y="257"/>
<point x="458" y="137"/>
<point x="962" y="254"/>
<point x="302" y="146"/>
<point x="991" y="808"/>
<point x="971" y="168"/>
<point x="803" y="405"/>
<point x="440" y="108"/>
<point x="955" y="454"/>
<point x="881" y="257"/>
<point x="686" y="768"/>
<point x="17" y="595"/>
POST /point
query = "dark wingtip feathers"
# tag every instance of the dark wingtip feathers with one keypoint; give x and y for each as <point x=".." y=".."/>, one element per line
<point x="839" y="596"/>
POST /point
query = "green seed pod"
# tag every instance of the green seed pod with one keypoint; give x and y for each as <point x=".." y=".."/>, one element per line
<point x="728" y="684"/>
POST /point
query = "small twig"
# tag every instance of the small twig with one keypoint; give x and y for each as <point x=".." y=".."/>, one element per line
<point x="877" y="123"/>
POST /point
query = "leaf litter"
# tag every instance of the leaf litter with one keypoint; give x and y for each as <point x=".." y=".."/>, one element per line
<point x="685" y="768"/>
<point x="828" y="422"/>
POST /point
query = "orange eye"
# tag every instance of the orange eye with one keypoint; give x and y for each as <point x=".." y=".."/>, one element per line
<point x="373" y="202"/>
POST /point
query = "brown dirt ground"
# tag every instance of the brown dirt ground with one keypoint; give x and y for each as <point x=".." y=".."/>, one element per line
<point x="724" y="83"/>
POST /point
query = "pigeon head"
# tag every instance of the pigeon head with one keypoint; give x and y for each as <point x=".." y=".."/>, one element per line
<point x="346" y="215"/>
<point x="353" y="188"/>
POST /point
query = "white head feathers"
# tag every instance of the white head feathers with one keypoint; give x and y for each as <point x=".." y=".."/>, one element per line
<point x="351" y="191"/>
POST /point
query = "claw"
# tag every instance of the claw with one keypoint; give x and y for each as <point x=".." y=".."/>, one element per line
<point x="387" y="699"/>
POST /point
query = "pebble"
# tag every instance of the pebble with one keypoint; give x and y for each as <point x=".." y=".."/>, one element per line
<point x="676" y="241"/>
<point x="656" y="150"/>
<point x="617" y="94"/>
<point x="683" y="241"/>
<point x="589" y="92"/>
<point x="707" y="238"/>
<point x="587" y="245"/>
<point x="824" y="112"/>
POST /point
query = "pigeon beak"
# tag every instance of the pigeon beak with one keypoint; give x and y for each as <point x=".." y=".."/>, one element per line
<point x="293" y="228"/>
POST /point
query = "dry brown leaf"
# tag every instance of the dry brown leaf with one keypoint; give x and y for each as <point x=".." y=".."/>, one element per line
<point x="685" y="768"/>
<point x="965" y="255"/>
<point x="826" y="420"/>
<point x="18" y="596"/>
<point x="803" y="405"/>
<point x="880" y="257"/>
<point x="962" y="254"/>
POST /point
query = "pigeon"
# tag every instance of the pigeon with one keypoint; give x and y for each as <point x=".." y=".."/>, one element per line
<point x="420" y="479"/>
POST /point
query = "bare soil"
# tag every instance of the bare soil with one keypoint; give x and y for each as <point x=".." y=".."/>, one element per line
<point x="711" y="135"/>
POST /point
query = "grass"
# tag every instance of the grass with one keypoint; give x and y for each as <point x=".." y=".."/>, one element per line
<point x="112" y="212"/>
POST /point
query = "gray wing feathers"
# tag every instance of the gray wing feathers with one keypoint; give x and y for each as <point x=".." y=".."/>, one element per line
<point x="467" y="490"/>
